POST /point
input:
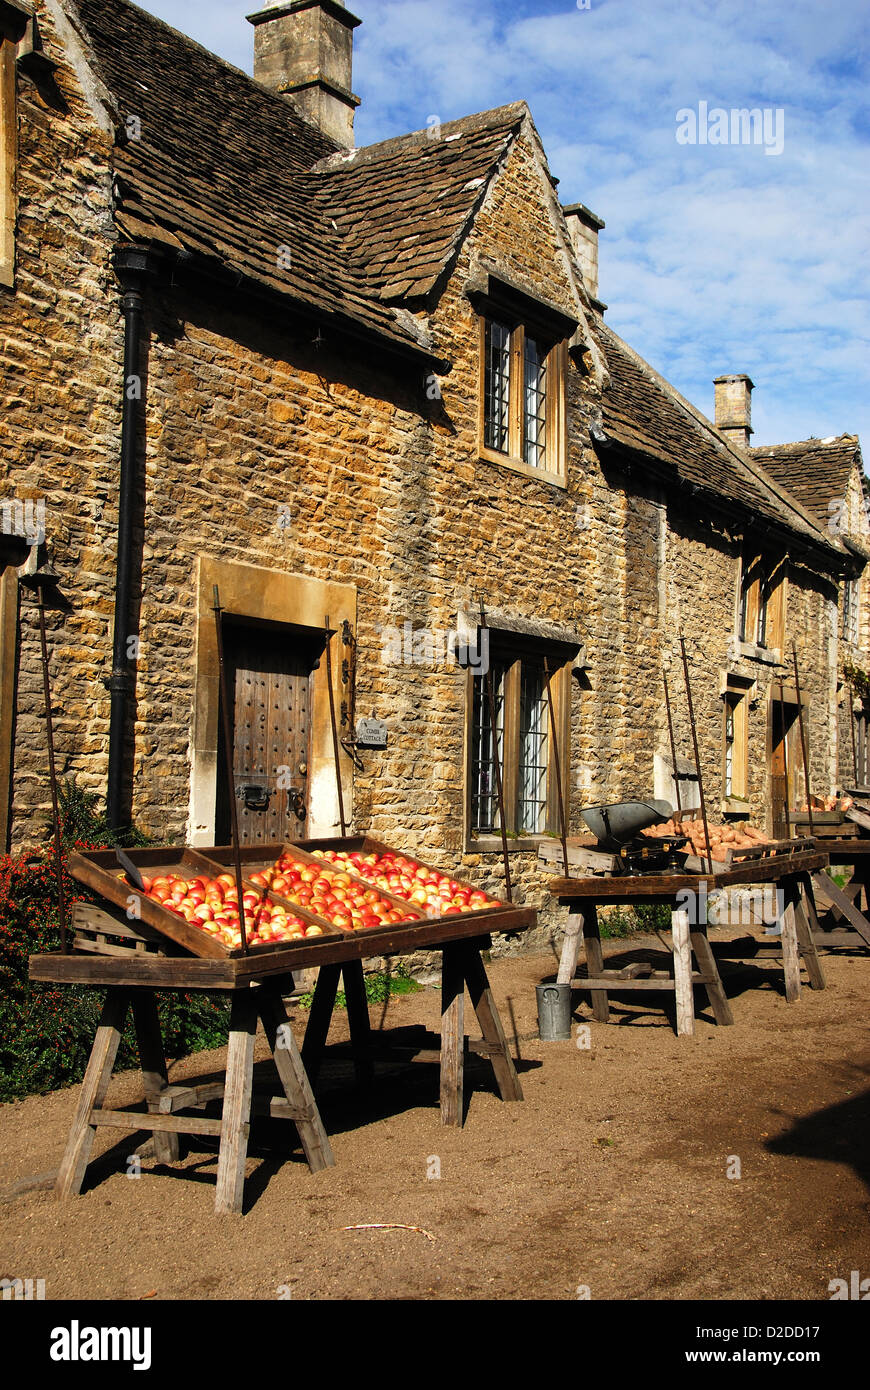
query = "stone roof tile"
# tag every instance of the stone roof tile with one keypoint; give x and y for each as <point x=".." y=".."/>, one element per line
<point x="642" y="412"/>
<point x="815" y="470"/>
<point x="227" y="169"/>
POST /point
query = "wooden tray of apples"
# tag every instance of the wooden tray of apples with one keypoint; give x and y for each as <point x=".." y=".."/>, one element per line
<point x="362" y="868"/>
<point x="311" y="893"/>
<point x="400" y="875"/>
<point x="193" y="901"/>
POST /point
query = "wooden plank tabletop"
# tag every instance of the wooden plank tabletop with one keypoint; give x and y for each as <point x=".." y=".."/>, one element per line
<point x="845" y="851"/>
<point x="162" y="972"/>
<point x="665" y="887"/>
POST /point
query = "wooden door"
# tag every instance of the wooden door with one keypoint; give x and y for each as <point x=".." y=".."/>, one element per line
<point x="269" y="680"/>
<point x="782" y="722"/>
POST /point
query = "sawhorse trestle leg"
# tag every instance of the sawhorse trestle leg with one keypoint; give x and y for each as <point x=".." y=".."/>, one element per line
<point x="462" y="966"/>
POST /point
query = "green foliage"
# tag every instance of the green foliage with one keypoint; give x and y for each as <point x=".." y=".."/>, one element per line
<point x="46" y="1031"/>
<point x="379" y="988"/>
<point x="617" y="923"/>
<point x="859" y="681"/>
<point x="653" y="917"/>
<point x="82" y="821"/>
<point x="620" y="922"/>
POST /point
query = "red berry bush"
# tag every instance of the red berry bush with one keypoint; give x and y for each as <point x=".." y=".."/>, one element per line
<point x="46" y="1031"/>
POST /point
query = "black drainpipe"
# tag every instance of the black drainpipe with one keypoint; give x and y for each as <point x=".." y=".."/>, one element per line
<point x="133" y="265"/>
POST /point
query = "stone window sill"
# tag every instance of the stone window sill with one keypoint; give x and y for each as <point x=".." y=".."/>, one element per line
<point x="541" y="475"/>
<point x="491" y="844"/>
<point x="747" y="651"/>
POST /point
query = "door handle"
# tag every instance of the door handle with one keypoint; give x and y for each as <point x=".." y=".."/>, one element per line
<point x="297" y="803"/>
<point x="255" y="795"/>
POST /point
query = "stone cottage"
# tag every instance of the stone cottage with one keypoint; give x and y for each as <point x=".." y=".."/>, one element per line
<point x="827" y="475"/>
<point x="367" y="394"/>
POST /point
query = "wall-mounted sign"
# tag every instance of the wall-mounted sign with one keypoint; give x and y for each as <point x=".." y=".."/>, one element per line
<point x="371" y="733"/>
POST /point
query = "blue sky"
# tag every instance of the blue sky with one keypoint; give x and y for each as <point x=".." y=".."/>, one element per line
<point x="715" y="257"/>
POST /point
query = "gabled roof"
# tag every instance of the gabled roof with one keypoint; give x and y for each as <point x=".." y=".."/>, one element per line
<point x="643" y="413"/>
<point x="402" y="206"/>
<point x="815" y="470"/>
<point x="232" y="173"/>
<point x="212" y="172"/>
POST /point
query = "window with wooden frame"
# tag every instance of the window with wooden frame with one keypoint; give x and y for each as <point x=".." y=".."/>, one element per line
<point x="735" y="745"/>
<point x="862" y="744"/>
<point x="522" y="397"/>
<point x="8" y="155"/>
<point x="523" y="740"/>
<point x="851" y="596"/>
<point x="523" y="368"/>
<point x="761" y="611"/>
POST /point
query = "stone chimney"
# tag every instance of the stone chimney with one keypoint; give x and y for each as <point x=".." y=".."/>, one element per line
<point x="305" y="48"/>
<point x="732" y="407"/>
<point x="584" y="227"/>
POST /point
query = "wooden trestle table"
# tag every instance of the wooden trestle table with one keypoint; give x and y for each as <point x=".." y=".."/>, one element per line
<point x="851" y="902"/>
<point x="256" y="985"/>
<point x="682" y="892"/>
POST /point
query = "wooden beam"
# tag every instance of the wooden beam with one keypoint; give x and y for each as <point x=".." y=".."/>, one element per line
<point x="483" y="1003"/>
<point x="93" y="1093"/>
<point x="8" y="665"/>
<point x="570" y="949"/>
<point x="825" y="884"/>
<point x="683" y="973"/>
<point x="171" y="1124"/>
<point x="153" y="1063"/>
<point x="452" y="1033"/>
<point x="299" y="1097"/>
<point x="236" y="1121"/>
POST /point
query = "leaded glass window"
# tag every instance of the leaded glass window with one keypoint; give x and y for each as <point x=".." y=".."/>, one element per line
<point x="534" y="404"/>
<point x="484" y="786"/>
<point x="534" y="753"/>
<point x="496" y="427"/>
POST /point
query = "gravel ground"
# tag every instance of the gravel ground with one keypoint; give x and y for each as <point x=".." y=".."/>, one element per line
<point x="611" y="1177"/>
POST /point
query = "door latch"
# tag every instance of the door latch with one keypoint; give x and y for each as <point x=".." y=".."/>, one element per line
<point x="255" y="795"/>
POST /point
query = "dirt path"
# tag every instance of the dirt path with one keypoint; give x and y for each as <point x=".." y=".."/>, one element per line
<point x="613" y="1175"/>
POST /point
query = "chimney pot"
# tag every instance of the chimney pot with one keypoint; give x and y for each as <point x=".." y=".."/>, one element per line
<point x="732" y="407"/>
<point x="304" y="49"/>
<point x="583" y="227"/>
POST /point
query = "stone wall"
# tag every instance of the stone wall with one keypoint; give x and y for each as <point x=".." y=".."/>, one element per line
<point x="61" y="354"/>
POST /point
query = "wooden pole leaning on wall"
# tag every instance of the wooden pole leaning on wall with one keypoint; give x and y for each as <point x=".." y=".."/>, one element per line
<point x="784" y="762"/>
<point x="679" y="806"/>
<point x="52" y="768"/>
<point x="228" y="755"/>
<point x="852" y="727"/>
<point x="332" y="721"/>
<point x="563" y="829"/>
<point x="495" y="760"/>
<point x="804" y="754"/>
<point x="697" y="754"/>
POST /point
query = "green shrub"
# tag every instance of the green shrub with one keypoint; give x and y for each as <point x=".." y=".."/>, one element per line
<point x="46" y="1031"/>
<point x="379" y="988"/>
<point x="620" y="922"/>
<point x="82" y="821"/>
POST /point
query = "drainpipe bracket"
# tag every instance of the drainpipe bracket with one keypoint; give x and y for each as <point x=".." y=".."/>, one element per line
<point x="118" y="683"/>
